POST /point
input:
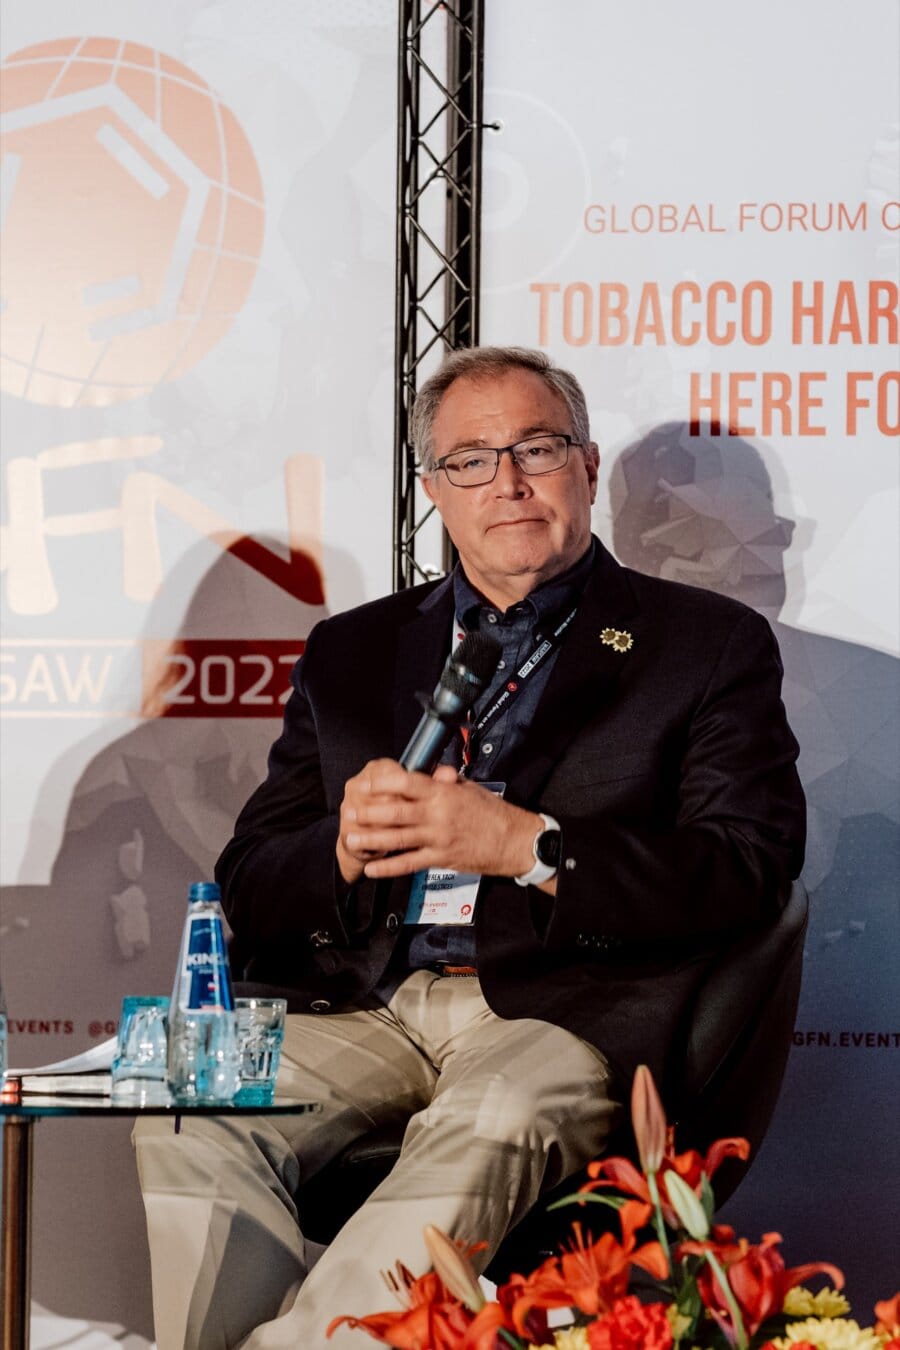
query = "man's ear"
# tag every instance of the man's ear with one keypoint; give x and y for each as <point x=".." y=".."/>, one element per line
<point x="429" y="486"/>
<point x="592" y="465"/>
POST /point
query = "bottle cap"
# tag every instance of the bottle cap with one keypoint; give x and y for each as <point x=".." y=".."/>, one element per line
<point x="204" y="890"/>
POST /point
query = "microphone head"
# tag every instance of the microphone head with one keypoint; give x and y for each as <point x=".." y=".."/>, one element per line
<point x="471" y="667"/>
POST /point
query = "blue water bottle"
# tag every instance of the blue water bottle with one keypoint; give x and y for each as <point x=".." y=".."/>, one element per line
<point x="203" y="1055"/>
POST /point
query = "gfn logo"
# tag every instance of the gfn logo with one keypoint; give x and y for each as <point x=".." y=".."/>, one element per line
<point x="132" y="213"/>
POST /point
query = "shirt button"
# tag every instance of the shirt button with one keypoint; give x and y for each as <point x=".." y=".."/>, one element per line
<point x="570" y="864"/>
<point x="392" y="923"/>
<point x="487" y="748"/>
<point x="492" y="618"/>
<point x="501" y="665"/>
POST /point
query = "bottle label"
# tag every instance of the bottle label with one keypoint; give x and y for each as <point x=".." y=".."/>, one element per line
<point x="206" y="979"/>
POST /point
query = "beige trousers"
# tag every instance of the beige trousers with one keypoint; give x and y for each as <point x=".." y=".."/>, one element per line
<point x="497" y="1111"/>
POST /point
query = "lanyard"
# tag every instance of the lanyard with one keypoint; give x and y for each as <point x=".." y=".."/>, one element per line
<point x="473" y="732"/>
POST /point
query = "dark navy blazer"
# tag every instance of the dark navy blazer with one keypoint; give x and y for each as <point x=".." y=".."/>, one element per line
<point x="670" y="767"/>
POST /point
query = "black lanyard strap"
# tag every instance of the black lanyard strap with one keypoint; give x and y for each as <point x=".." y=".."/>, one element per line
<point x="474" y="732"/>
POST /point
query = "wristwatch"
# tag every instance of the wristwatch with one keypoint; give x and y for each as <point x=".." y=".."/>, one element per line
<point x="546" y="847"/>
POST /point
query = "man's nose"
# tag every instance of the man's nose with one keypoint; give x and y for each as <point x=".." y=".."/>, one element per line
<point x="511" y="481"/>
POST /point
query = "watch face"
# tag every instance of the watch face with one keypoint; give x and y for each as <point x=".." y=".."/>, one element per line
<point x="548" y="847"/>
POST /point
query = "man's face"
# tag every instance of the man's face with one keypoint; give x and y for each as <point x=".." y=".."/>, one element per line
<point x="518" y="530"/>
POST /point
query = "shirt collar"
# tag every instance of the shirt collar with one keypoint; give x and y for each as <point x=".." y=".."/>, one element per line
<point x="546" y="599"/>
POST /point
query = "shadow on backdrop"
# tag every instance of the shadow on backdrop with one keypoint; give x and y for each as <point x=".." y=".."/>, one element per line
<point x="699" y="510"/>
<point x="149" y="814"/>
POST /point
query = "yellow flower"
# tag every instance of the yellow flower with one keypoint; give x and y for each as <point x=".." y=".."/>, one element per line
<point x="800" y="1302"/>
<point x="569" y="1338"/>
<point x="829" y="1333"/>
<point x="677" y="1321"/>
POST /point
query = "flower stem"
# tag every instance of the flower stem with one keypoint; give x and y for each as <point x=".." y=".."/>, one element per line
<point x="736" y="1319"/>
<point x="658" y="1221"/>
<point x="510" y="1339"/>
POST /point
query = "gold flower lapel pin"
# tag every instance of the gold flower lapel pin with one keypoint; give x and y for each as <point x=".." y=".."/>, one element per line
<point x="617" y="638"/>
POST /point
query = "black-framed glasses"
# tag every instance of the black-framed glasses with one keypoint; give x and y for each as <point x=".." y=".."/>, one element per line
<point x="535" y="455"/>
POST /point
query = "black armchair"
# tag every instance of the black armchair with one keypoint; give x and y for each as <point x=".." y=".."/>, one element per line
<point x="737" y="1044"/>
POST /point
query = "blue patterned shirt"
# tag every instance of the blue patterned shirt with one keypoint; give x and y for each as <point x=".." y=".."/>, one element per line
<point x="425" y="945"/>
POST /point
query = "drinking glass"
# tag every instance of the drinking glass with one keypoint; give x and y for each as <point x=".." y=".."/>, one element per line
<point x="139" y="1067"/>
<point x="260" y="1036"/>
<point x="204" y="1060"/>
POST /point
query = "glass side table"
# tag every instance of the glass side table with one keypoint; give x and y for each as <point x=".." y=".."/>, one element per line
<point x="18" y="1113"/>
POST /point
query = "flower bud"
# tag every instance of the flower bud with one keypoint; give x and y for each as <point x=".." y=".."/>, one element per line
<point x="453" y="1268"/>
<point x="648" y="1120"/>
<point x="689" y="1209"/>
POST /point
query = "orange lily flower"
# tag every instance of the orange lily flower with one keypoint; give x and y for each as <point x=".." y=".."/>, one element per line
<point x="757" y="1276"/>
<point x="482" y="1334"/>
<point x="432" y="1320"/>
<point x="888" y="1314"/>
<point x="622" y="1175"/>
<point x="795" y="1345"/>
<point x="589" y="1277"/>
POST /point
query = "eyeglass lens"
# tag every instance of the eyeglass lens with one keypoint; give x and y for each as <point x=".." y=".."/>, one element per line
<point x="538" y="454"/>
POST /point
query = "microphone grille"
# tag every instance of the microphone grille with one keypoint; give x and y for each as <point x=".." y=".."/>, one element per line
<point x="471" y="666"/>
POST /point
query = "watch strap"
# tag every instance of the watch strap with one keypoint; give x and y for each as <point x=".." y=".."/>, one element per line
<point x="541" y="871"/>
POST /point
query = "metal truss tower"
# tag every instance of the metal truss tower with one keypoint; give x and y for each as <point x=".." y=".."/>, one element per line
<point x="439" y="122"/>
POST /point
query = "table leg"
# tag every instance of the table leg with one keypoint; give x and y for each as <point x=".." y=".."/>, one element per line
<point x="15" y="1303"/>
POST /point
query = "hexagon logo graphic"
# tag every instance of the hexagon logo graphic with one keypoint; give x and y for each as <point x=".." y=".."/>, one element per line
<point x="133" y="217"/>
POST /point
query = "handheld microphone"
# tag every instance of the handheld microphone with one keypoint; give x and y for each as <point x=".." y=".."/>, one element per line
<point x="468" y="671"/>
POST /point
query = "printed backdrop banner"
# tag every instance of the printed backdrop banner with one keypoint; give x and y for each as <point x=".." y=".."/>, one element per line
<point x="196" y="368"/>
<point x="695" y="208"/>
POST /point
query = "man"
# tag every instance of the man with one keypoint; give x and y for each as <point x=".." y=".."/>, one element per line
<point x="631" y="809"/>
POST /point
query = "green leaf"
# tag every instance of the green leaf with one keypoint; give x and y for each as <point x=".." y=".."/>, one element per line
<point x="689" y="1303"/>
<point x="589" y="1197"/>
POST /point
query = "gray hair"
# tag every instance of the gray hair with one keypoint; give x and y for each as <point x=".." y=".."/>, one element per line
<point x="483" y="363"/>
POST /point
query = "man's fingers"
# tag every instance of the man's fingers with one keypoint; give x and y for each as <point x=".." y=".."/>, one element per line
<point x="375" y="799"/>
<point x="384" y="780"/>
<point x="388" y="777"/>
<point x="382" y="841"/>
<point x="386" y="812"/>
<point x="399" y="864"/>
<point x="361" y="784"/>
<point x="392" y="817"/>
<point x="350" y="866"/>
<point x="356" y="851"/>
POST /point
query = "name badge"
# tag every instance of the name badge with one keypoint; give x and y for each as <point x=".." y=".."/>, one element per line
<point x="441" y="895"/>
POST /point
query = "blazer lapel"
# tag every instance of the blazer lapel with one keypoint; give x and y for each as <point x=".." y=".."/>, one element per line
<point x="584" y="676"/>
<point x="423" y="646"/>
